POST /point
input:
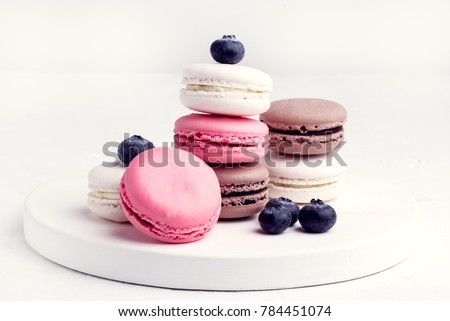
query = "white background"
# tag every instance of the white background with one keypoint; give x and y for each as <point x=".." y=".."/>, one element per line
<point x="77" y="74"/>
<point x="324" y="36"/>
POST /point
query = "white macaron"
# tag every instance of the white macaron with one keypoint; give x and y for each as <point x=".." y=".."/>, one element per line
<point x="224" y="89"/>
<point x="104" y="194"/>
<point x="304" y="178"/>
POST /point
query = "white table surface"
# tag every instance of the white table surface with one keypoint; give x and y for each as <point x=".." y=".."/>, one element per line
<point x="54" y="125"/>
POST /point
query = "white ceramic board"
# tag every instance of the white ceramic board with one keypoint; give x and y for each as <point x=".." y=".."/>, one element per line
<point x="375" y="230"/>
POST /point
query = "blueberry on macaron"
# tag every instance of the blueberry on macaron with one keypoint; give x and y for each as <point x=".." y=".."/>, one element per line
<point x="131" y="147"/>
<point x="317" y="217"/>
<point x="227" y="50"/>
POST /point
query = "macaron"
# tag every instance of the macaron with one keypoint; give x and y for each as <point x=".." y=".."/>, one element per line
<point x="104" y="194"/>
<point x="221" y="139"/>
<point x="243" y="188"/>
<point x="233" y="90"/>
<point x="305" y="126"/>
<point x="302" y="178"/>
<point x="171" y="195"/>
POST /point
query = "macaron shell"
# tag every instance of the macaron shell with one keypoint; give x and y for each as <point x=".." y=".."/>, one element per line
<point x="303" y="178"/>
<point x="171" y="195"/>
<point x="108" y="209"/>
<point x="166" y="233"/>
<point x="238" y="212"/>
<point x="224" y="125"/>
<point x="106" y="177"/>
<point x="303" y="167"/>
<point x="304" y="114"/>
<point x="242" y="174"/>
<point x="226" y="75"/>
<point x="306" y="194"/>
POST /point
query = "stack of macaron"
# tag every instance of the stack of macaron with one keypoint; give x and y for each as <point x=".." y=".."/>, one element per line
<point x="177" y="195"/>
<point x="141" y="186"/>
<point x="222" y="94"/>
<point x="305" y="135"/>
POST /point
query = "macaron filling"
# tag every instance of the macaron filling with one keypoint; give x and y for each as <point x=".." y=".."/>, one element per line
<point x="104" y="195"/>
<point x="216" y="142"/>
<point x="245" y="199"/>
<point x="208" y="88"/>
<point x="305" y="132"/>
<point x="244" y="188"/>
<point x="284" y="182"/>
<point x="310" y="142"/>
<point x="244" y="194"/>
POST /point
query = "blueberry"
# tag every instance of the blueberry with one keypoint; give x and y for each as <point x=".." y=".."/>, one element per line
<point x="286" y="202"/>
<point x="317" y="217"/>
<point x="227" y="50"/>
<point x="275" y="218"/>
<point x="131" y="147"/>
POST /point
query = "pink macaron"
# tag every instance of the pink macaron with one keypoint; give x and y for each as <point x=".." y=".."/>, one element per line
<point x="221" y="139"/>
<point x="171" y="195"/>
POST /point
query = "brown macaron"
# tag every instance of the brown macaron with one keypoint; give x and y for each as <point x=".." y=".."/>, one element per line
<point x="305" y="126"/>
<point x="243" y="188"/>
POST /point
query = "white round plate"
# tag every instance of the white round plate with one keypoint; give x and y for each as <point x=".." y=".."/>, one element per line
<point x="375" y="230"/>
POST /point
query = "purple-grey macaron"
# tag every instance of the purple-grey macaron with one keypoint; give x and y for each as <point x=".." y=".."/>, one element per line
<point x="305" y="126"/>
<point x="243" y="188"/>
